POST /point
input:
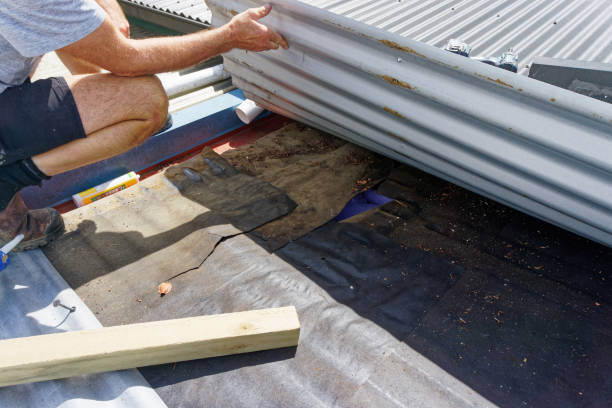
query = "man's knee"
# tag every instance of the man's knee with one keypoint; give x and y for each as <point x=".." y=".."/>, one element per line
<point x="157" y="101"/>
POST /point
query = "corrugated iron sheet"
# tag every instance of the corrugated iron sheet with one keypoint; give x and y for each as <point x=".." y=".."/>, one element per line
<point x="28" y="288"/>
<point x="538" y="148"/>
<point x="195" y="10"/>
<point x="571" y="29"/>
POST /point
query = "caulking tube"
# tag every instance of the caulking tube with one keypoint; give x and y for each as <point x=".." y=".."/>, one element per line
<point x="105" y="189"/>
<point x="247" y="111"/>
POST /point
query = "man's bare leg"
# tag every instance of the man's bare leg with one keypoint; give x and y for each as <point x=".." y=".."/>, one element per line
<point x="118" y="114"/>
<point x="77" y="66"/>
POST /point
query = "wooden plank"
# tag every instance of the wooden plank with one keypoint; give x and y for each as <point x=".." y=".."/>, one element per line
<point x="61" y="355"/>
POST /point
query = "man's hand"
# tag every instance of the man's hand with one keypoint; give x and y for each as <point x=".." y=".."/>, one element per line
<point x="116" y="15"/>
<point x="248" y="34"/>
<point x="108" y="48"/>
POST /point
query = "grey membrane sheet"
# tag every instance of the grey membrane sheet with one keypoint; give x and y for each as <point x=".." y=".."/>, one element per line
<point x="115" y="255"/>
<point x="392" y="325"/>
<point x="343" y="359"/>
<point x="28" y="288"/>
<point x="438" y="299"/>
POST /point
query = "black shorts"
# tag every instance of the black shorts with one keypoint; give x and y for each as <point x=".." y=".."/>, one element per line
<point x="37" y="117"/>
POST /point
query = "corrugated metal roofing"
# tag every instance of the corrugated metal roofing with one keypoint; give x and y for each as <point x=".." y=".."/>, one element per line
<point x="547" y="28"/>
<point x="570" y="29"/>
<point x="28" y="289"/>
<point x="195" y="10"/>
<point x="530" y="145"/>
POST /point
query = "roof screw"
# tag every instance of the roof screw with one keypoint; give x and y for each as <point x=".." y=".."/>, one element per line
<point x="399" y="59"/>
<point x="57" y="303"/>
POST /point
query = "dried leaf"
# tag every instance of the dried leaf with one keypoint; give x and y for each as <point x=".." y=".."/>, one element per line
<point x="164" y="288"/>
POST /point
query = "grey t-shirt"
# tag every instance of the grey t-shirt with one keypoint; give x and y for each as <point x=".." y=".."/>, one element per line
<point x="31" y="28"/>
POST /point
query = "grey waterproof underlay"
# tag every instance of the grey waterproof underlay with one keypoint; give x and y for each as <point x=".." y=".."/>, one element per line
<point x="191" y="228"/>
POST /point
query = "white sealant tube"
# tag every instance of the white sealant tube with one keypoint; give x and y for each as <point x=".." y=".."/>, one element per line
<point x="247" y="111"/>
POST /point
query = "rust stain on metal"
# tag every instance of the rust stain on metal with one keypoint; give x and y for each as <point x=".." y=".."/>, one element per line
<point x="497" y="81"/>
<point x="339" y="25"/>
<point x="234" y="12"/>
<point x="393" y="112"/>
<point x="397" y="82"/>
<point x="349" y="29"/>
<point x="396" y="46"/>
<point x="520" y="89"/>
<point x="395" y="136"/>
<point x="553" y="100"/>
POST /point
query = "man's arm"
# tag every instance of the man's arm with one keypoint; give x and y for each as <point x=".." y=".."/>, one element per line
<point x="78" y="66"/>
<point x="107" y="48"/>
<point x="116" y="15"/>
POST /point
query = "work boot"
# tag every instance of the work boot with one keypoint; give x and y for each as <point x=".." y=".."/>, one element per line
<point x="39" y="227"/>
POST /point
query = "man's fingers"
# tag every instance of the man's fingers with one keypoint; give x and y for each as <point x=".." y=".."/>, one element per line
<point x="272" y="35"/>
<point x="277" y="38"/>
<point x="260" y="12"/>
<point x="257" y="36"/>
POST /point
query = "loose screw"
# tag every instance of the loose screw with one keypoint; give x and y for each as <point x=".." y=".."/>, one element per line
<point x="57" y="303"/>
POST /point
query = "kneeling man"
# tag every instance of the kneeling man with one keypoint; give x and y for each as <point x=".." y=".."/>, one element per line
<point x="54" y="125"/>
